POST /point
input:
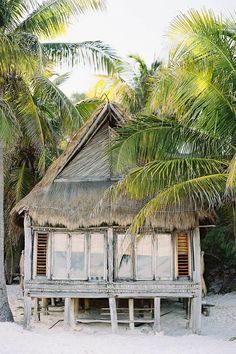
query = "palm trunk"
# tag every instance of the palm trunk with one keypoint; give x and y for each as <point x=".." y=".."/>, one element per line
<point x="5" y="311"/>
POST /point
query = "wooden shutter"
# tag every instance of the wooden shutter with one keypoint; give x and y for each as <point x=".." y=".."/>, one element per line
<point x="183" y="254"/>
<point x="42" y="245"/>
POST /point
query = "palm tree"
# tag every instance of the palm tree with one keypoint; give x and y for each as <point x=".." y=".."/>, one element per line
<point x="24" y="63"/>
<point x="184" y="147"/>
<point x="129" y="85"/>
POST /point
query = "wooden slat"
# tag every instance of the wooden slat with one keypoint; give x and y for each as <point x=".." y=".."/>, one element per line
<point x="42" y="245"/>
<point x="183" y="255"/>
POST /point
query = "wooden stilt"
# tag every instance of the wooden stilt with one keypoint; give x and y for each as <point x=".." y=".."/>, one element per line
<point x="113" y="313"/>
<point x="45" y="306"/>
<point x="196" y="313"/>
<point x="67" y="312"/>
<point x="76" y="307"/>
<point x="131" y="314"/>
<point x="52" y="301"/>
<point x="27" y="312"/>
<point x="86" y="304"/>
<point x="157" y="314"/>
<point x="36" y="310"/>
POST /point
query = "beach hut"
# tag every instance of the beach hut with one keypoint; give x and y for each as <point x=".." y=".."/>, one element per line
<point x="78" y="249"/>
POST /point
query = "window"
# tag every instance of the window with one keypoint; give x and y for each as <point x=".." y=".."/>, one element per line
<point x="164" y="256"/>
<point x="79" y="256"/>
<point x="97" y="256"/>
<point x="183" y="263"/>
<point x="144" y="257"/>
<point x="60" y="256"/>
<point x="41" y="258"/>
<point x="124" y="251"/>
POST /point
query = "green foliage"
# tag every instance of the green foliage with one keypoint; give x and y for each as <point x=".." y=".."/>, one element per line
<point x="181" y="149"/>
<point x="219" y="241"/>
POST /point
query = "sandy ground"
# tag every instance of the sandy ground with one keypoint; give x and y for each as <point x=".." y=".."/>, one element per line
<point x="217" y="329"/>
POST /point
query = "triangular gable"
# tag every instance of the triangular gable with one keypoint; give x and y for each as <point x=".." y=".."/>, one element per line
<point x="89" y="160"/>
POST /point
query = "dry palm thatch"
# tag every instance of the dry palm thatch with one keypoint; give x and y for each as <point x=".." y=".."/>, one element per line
<point x="72" y="200"/>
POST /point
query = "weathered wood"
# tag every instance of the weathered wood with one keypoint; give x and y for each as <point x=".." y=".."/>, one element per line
<point x="28" y="248"/>
<point x="86" y="304"/>
<point x="36" y="310"/>
<point x="157" y="314"/>
<point x="69" y="313"/>
<point x="76" y="306"/>
<point x="45" y="306"/>
<point x="27" y="312"/>
<point x="197" y="256"/>
<point x="196" y="313"/>
<point x="113" y="313"/>
<point x="110" y="255"/>
<point x="131" y="314"/>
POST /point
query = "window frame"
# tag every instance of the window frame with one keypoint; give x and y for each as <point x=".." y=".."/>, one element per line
<point x="190" y="255"/>
<point x="154" y="238"/>
<point x="35" y="255"/>
<point x="87" y="248"/>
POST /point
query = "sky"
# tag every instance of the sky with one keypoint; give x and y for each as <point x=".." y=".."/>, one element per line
<point x="131" y="27"/>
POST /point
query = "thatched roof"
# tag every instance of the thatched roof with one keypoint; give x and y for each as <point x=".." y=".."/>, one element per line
<point x="60" y="200"/>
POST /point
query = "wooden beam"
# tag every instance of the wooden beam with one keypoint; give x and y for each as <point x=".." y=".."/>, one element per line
<point x="110" y="255"/>
<point x="69" y="313"/>
<point x="113" y="313"/>
<point x="28" y="248"/>
<point x="157" y="314"/>
<point x="45" y="306"/>
<point x="196" y="313"/>
<point x="36" y="310"/>
<point x="131" y="314"/>
<point x="197" y="256"/>
<point x="27" y="312"/>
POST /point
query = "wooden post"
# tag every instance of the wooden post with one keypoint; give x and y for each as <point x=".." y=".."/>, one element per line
<point x="131" y="314"/>
<point x="27" y="312"/>
<point x="197" y="256"/>
<point x="69" y="313"/>
<point x="28" y="248"/>
<point x="86" y="304"/>
<point x="113" y="313"/>
<point x="197" y="299"/>
<point x="76" y="307"/>
<point x="110" y="255"/>
<point x="196" y="313"/>
<point x="45" y="306"/>
<point x="36" y="310"/>
<point x="157" y="314"/>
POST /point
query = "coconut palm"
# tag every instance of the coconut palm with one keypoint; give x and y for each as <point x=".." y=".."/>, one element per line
<point x="184" y="148"/>
<point x="129" y="85"/>
<point x="24" y="60"/>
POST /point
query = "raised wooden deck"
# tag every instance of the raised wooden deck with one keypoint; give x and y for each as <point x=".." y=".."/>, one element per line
<point x="88" y="289"/>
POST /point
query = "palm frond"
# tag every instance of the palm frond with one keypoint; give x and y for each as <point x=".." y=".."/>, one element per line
<point x="158" y="175"/>
<point x="87" y="107"/>
<point x="204" y="34"/>
<point x="205" y="192"/>
<point x="48" y="93"/>
<point x="151" y="137"/>
<point x="51" y="18"/>
<point x="8" y="122"/>
<point x="97" y="54"/>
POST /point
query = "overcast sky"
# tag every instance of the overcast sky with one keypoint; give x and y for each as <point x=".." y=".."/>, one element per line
<point x="132" y="26"/>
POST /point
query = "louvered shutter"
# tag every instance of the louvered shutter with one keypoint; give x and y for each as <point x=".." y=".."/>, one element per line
<point x="183" y="254"/>
<point x="42" y="245"/>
